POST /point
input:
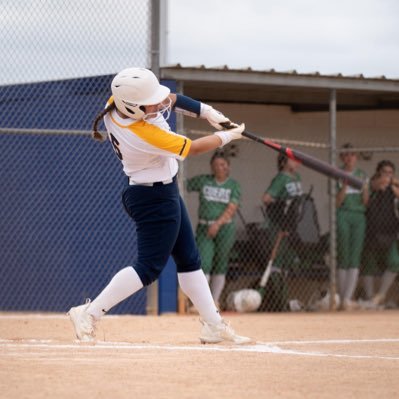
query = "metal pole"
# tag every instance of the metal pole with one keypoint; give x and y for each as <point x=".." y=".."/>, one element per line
<point x="152" y="290"/>
<point x="163" y="34"/>
<point x="333" y="192"/>
<point x="155" y="35"/>
<point x="180" y="130"/>
<point x="182" y="301"/>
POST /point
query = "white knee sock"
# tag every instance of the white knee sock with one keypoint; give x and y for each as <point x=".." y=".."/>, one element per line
<point x="217" y="284"/>
<point x="342" y="277"/>
<point x="368" y="285"/>
<point x="125" y="283"/>
<point x="196" y="287"/>
<point x="386" y="281"/>
<point x="352" y="277"/>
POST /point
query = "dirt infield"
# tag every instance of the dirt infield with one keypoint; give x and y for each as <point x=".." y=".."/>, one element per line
<point x="345" y="355"/>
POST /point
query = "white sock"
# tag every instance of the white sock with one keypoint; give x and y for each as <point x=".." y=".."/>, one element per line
<point x="342" y="277"/>
<point x="386" y="281"/>
<point x="217" y="284"/>
<point x="352" y="277"/>
<point x="196" y="287"/>
<point x="368" y="285"/>
<point x="125" y="283"/>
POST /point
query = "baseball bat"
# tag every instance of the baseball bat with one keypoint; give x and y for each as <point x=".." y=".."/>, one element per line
<point x="305" y="159"/>
<point x="265" y="277"/>
<point x="261" y="290"/>
<point x="311" y="162"/>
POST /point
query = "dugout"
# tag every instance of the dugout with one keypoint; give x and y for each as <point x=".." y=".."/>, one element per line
<point x="307" y="110"/>
<point x="313" y="112"/>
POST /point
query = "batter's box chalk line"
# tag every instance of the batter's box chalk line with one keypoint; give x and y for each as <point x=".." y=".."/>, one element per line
<point x="260" y="347"/>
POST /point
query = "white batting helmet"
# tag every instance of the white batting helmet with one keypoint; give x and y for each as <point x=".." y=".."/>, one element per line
<point x="133" y="88"/>
<point x="244" y="301"/>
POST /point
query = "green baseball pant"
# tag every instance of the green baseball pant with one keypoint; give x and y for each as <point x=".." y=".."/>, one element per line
<point x="215" y="251"/>
<point x="351" y="228"/>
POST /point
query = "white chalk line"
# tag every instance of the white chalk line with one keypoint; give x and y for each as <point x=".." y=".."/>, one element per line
<point x="270" y="348"/>
<point x="336" y="341"/>
<point x="40" y="316"/>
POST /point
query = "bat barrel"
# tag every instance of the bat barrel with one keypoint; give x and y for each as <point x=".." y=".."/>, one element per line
<point x="309" y="161"/>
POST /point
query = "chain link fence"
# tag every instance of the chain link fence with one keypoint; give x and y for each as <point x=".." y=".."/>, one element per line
<point x="63" y="232"/>
<point x="63" y="229"/>
<point x="367" y="229"/>
<point x="276" y="225"/>
<point x="282" y="222"/>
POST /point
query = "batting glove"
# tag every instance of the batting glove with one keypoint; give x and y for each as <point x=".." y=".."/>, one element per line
<point x="214" y="117"/>
<point x="232" y="134"/>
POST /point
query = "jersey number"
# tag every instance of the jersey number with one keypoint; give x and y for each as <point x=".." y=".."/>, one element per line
<point x="115" y="144"/>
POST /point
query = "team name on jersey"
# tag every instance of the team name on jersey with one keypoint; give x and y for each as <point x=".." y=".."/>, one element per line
<point x="217" y="194"/>
<point x="294" y="188"/>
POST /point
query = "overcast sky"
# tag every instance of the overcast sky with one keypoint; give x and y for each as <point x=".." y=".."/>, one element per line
<point x="57" y="39"/>
<point x="329" y="36"/>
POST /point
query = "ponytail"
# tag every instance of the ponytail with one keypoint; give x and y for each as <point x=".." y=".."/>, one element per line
<point x="95" y="134"/>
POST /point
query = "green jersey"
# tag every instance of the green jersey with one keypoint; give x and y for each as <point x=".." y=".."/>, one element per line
<point x="214" y="196"/>
<point x="285" y="186"/>
<point x="353" y="199"/>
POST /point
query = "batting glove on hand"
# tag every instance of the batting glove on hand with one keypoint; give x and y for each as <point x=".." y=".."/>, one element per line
<point x="232" y="134"/>
<point x="214" y="117"/>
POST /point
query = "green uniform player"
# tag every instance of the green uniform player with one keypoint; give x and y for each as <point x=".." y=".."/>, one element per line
<point x="284" y="188"/>
<point x="351" y="228"/>
<point x="381" y="248"/>
<point x="219" y="197"/>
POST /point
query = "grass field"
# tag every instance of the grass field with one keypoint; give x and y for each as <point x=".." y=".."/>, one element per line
<point x="309" y="355"/>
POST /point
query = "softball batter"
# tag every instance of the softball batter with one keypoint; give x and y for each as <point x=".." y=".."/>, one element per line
<point x="136" y="122"/>
<point x="219" y="197"/>
<point x="351" y="228"/>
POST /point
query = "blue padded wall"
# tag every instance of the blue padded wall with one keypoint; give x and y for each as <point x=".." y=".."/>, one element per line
<point x="63" y="230"/>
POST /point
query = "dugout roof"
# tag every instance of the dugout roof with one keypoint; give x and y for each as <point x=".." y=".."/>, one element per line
<point x="303" y="92"/>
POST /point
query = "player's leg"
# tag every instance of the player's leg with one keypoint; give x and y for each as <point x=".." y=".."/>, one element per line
<point x="157" y="225"/>
<point x="224" y="242"/>
<point x="358" y="230"/>
<point x="206" y="247"/>
<point x="369" y="270"/>
<point x="193" y="282"/>
<point x="343" y="249"/>
<point x="389" y="275"/>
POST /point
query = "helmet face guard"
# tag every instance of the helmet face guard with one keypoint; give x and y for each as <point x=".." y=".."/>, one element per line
<point x="164" y="110"/>
<point x="134" y="88"/>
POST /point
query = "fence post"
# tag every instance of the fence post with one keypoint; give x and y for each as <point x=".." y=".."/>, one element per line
<point x="181" y="297"/>
<point x="332" y="192"/>
<point x="152" y="290"/>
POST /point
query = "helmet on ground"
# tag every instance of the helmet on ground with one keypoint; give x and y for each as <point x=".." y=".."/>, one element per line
<point x="243" y="301"/>
<point x="133" y="88"/>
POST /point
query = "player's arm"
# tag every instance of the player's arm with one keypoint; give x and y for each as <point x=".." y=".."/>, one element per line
<point x="190" y="107"/>
<point x="341" y="195"/>
<point x="228" y="214"/>
<point x="232" y="206"/>
<point x="267" y="199"/>
<point x="365" y="194"/>
<point x="224" y="218"/>
<point x="275" y="190"/>
<point x="395" y="190"/>
<point x="219" y="139"/>
<point x="158" y="141"/>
